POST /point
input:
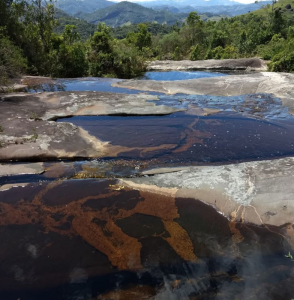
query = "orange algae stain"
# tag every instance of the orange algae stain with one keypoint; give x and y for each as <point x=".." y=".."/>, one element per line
<point x="97" y="225"/>
<point x="176" y="284"/>
<point x="133" y="293"/>
<point x="157" y="205"/>
<point x="17" y="214"/>
<point x="123" y="251"/>
<point x="192" y="136"/>
<point x="237" y="237"/>
<point x="179" y="240"/>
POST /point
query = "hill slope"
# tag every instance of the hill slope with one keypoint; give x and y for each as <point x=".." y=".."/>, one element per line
<point x="282" y="5"/>
<point x="231" y="10"/>
<point x="73" y="7"/>
<point x="84" y="28"/>
<point x="182" y="3"/>
<point x="127" y="12"/>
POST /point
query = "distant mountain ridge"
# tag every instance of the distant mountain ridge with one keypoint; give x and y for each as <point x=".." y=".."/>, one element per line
<point x="129" y="13"/>
<point x="231" y="10"/>
<point x="73" y="7"/>
<point x="116" y="14"/>
<point x="193" y="3"/>
<point x="126" y="13"/>
<point x="84" y="28"/>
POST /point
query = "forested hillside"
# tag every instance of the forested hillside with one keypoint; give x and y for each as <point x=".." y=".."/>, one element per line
<point x="73" y="7"/>
<point x="127" y="12"/>
<point x="84" y="28"/>
<point x="229" y="10"/>
<point x="29" y="42"/>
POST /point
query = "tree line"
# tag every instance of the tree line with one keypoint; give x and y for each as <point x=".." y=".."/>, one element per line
<point x="29" y="44"/>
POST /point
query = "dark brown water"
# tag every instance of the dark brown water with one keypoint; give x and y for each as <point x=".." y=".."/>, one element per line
<point x="96" y="239"/>
<point x="181" y="138"/>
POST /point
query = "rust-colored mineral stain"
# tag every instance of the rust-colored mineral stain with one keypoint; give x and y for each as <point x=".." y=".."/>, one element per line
<point x="236" y="234"/>
<point x="180" y="240"/>
<point x="122" y="250"/>
<point x="193" y="136"/>
<point x="160" y="206"/>
<point x="133" y="293"/>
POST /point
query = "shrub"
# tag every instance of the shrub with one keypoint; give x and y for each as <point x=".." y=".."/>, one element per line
<point x="272" y="48"/>
<point x="284" y="60"/>
<point x="12" y="63"/>
<point x="129" y="61"/>
<point x="195" y="54"/>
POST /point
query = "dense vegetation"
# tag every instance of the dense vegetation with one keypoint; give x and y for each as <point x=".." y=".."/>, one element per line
<point x="84" y="28"/>
<point x="73" y="7"/>
<point x="29" y="44"/>
<point x="127" y="12"/>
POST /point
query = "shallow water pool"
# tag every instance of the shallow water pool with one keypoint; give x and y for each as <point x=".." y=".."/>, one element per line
<point x="181" y="138"/>
<point x="180" y="75"/>
<point x="104" y="84"/>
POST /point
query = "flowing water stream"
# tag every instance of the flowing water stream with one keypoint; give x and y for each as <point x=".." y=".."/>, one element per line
<point x="63" y="237"/>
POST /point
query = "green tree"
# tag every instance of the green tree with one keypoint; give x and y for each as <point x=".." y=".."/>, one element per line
<point x="177" y="54"/>
<point x="195" y="54"/>
<point x="129" y="61"/>
<point x="12" y="63"/>
<point x="143" y="37"/>
<point x="242" y="46"/>
<point x="100" y="56"/>
<point x="278" y="22"/>
<point x="70" y="34"/>
<point x="71" y="55"/>
<point x="192" y="20"/>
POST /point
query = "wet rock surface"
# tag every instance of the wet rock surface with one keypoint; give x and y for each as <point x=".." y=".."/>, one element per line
<point x="24" y="82"/>
<point x="254" y="192"/>
<point x="27" y="131"/>
<point x="182" y="200"/>
<point x="17" y="169"/>
<point x="279" y="84"/>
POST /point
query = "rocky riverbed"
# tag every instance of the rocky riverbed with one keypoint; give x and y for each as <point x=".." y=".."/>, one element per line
<point x="113" y="189"/>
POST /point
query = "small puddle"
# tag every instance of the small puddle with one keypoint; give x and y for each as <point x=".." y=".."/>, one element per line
<point x="181" y="138"/>
<point x="97" y="239"/>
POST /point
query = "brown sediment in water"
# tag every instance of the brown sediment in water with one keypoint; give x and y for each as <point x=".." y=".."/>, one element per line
<point x="133" y="293"/>
<point x="180" y="241"/>
<point x="192" y="136"/>
<point x="138" y="229"/>
<point x="122" y="250"/>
